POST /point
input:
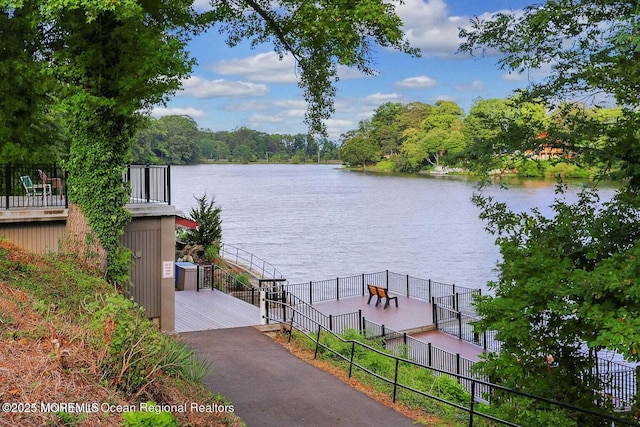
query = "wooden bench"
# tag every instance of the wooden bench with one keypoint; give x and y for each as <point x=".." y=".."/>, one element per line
<point x="380" y="293"/>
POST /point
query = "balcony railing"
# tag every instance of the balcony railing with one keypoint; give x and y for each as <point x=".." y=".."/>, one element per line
<point x="32" y="185"/>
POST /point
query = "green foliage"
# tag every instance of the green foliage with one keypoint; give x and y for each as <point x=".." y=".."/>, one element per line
<point x="565" y="282"/>
<point x="208" y="233"/>
<point x="133" y="350"/>
<point x="383" y="364"/>
<point x="358" y="148"/>
<point x="70" y="420"/>
<point x="149" y="418"/>
<point x="319" y="38"/>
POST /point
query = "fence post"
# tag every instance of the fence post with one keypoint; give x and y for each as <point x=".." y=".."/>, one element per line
<point x="310" y="292"/>
<point x="198" y="278"/>
<point x="360" y="319"/>
<point x="267" y="297"/>
<point x="9" y="186"/>
<point x="459" y="315"/>
<point x="147" y="182"/>
<point x="315" y="354"/>
<point x="453" y="296"/>
<point x="362" y="284"/>
<point x="168" y="185"/>
<point x="395" y="381"/>
<point x="407" y="286"/>
<point x="353" y="348"/>
<point x="331" y="322"/>
<point x="284" y="305"/>
<point x="430" y="289"/>
<point x="458" y="367"/>
<point x="457" y="302"/>
<point x="387" y="280"/>
<point x="472" y="403"/>
<point x="337" y="288"/>
<point x="434" y="307"/>
<point x="429" y="356"/>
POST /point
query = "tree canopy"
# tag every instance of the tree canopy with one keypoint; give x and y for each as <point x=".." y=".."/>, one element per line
<point x="568" y="284"/>
<point x="106" y="63"/>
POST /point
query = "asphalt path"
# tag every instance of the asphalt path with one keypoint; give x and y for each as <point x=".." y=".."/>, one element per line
<point x="269" y="386"/>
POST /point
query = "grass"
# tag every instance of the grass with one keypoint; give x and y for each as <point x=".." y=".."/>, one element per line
<point x="423" y="410"/>
<point x="68" y="336"/>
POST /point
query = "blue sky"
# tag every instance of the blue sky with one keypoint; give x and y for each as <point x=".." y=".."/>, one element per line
<point x="235" y="87"/>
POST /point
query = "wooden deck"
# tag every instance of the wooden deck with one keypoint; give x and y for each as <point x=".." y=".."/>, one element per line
<point x="413" y="316"/>
<point x="207" y="309"/>
<point x="410" y="314"/>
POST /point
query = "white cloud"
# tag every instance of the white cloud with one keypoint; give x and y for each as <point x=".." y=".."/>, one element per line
<point x="380" y="98"/>
<point x="265" y="118"/>
<point x="188" y="111"/>
<point x="475" y="85"/>
<point x="263" y="67"/>
<point x="417" y="82"/>
<point x="429" y="26"/>
<point x="202" y="88"/>
<point x="336" y="127"/>
<point x="246" y="106"/>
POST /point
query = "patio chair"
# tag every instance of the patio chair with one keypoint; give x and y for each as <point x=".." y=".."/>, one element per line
<point x="35" y="190"/>
<point x="56" y="183"/>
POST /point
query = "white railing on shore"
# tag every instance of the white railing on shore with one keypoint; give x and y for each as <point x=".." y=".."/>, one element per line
<point x="250" y="261"/>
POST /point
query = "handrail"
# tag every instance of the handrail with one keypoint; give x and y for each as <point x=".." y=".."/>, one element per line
<point x="474" y="382"/>
<point x="246" y="259"/>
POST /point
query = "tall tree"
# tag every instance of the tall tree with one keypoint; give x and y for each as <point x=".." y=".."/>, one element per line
<point x="116" y="59"/>
<point x="583" y="260"/>
<point x="441" y="133"/>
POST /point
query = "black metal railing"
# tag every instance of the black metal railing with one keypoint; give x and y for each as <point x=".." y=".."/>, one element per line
<point x="33" y="185"/>
<point x="149" y="183"/>
<point x="214" y="277"/>
<point x="248" y="260"/>
<point x="343" y="287"/>
<point x="353" y="357"/>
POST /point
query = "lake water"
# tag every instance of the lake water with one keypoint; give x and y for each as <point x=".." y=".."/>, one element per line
<point x="316" y="222"/>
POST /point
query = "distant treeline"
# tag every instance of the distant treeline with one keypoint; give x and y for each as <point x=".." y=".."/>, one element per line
<point x="178" y="140"/>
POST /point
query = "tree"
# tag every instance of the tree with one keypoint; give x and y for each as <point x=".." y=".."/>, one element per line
<point x="112" y="61"/>
<point x="209" y="230"/>
<point x="569" y="280"/>
<point x="384" y="127"/>
<point x="441" y="133"/>
<point x="357" y="148"/>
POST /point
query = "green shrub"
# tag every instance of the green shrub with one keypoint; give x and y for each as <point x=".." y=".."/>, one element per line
<point x="134" y="350"/>
<point x="149" y="418"/>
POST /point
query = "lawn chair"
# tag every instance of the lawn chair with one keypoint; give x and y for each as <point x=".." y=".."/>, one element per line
<point x="56" y="183"/>
<point x="35" y="190"/>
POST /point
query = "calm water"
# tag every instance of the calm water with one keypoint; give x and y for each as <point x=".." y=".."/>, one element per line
<point x="315" y="222"/>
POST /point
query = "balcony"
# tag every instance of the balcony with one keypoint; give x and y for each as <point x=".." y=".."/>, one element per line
<point x="36" y="192"/>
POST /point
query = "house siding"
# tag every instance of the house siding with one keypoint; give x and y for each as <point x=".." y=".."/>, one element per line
<point x="37" y="237"/>
<point x="143" y="238"/>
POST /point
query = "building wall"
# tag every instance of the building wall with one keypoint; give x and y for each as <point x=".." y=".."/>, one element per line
<point x="38" y="237"/>
<point x="150" y="237"/>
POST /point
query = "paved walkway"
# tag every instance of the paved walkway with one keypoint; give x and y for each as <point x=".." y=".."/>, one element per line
<point x="269" y="386"/>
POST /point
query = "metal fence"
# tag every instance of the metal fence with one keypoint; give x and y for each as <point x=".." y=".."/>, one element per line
<point x="343" y="287"/>
<point x="149" y="183"/>
<point x="33" y="185"/>
<point x="249" y="261"/>
<point x="401" y="361"/>
<point x="48" y="185"/>
<point x="214" y="277"/>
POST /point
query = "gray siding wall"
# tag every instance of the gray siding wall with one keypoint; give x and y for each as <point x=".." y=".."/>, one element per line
<point x="35" y="236"/>
<point x="143" y="238"/>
